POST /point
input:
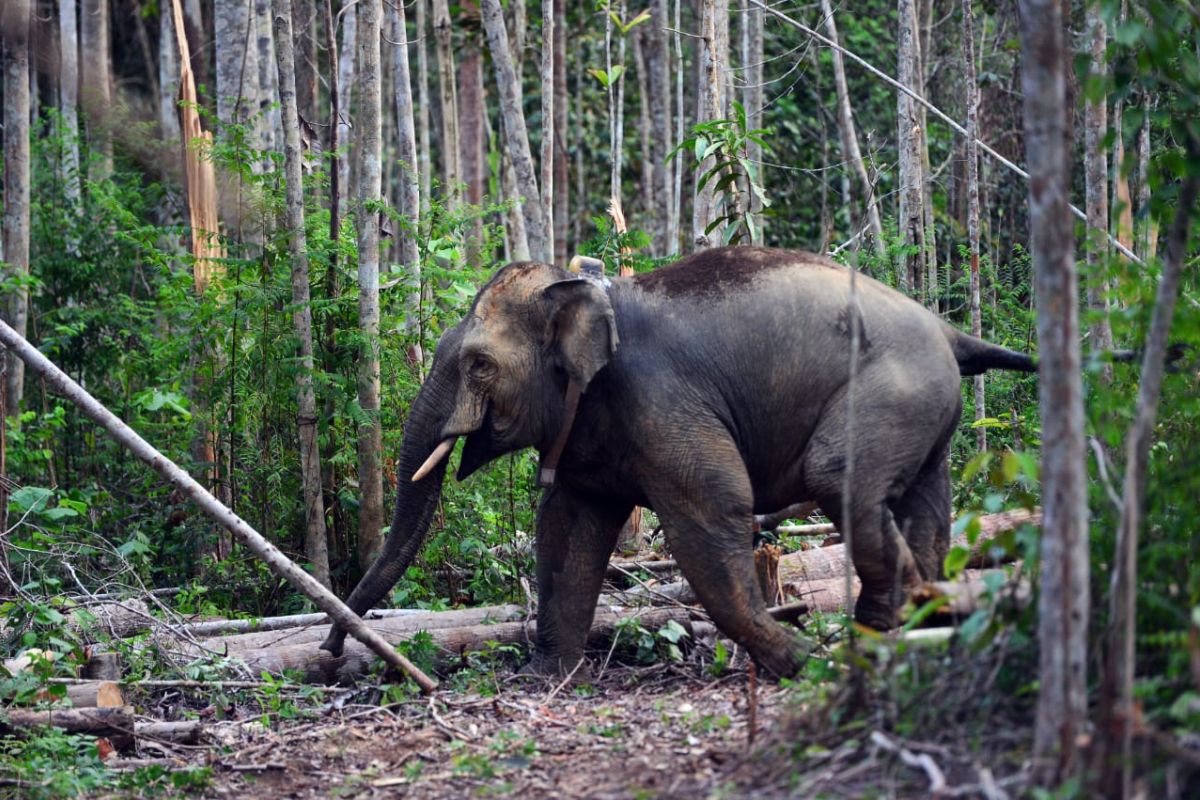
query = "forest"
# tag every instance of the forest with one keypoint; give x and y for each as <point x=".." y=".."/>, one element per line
<point x="251" y="293"/>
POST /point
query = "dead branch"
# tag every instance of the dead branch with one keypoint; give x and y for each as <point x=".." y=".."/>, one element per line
<point x="274" y="558"/>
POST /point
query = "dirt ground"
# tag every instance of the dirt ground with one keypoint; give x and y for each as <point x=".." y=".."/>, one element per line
<point x="660" y="731"/>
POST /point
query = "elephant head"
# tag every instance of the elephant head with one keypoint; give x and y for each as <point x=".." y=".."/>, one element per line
<point x="500" y="378"/>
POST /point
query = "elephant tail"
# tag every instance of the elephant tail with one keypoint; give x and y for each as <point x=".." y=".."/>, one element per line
<point x="975" y="356"/>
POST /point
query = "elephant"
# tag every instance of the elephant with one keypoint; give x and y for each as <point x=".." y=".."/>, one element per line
<point x="708" y="390"/>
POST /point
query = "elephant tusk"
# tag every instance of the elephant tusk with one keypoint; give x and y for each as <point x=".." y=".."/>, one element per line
<point x="435" y="457"/>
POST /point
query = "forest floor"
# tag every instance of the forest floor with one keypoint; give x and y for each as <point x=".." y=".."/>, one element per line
<point x="659" y="731"/>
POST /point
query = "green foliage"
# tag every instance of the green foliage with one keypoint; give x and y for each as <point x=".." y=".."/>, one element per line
<point x="730" y="175"/>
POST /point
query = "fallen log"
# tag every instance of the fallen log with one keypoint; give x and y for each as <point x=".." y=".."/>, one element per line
<point x="186" y="731"/>
<point x="959" y="598"/>
<point x="404" y="625"/>
<point x="817" y="529"/>
<point x="318" y="666"/>
<point x="222" y="627"/>
<point x="115" y="724"/>
<point x="622" y="567"/>
<point x="118" y="619"/>
<point x="96" y="694"/>
<point x="102" y="666"/>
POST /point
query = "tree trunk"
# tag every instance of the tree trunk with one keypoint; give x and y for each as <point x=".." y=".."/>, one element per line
<point x="1096" y="179"/>
<point x="269" y="124"/>
<point x="752" y="75"/>
<point x="1064" y="593"/>
<point x="316" y="547"/>
<point x="849" y="138"/>
<point x="561" y="193"/>
<point x="675" y="220"/>
<point x="451" y="173"/>
<point x="1119" y="668"/>
<point x="424" y="160"/>
<point x="308" y="72"/>
<point x="515" y="135"/>
<point x="973" y="204"/>
<point x="237" y="60"/>
<point x="68" y="100"/>
<point x="658" y="65"/>
<point x="1148" y="241"/>
<point x="924" y="9"/>
<point x="96" y="74"/>
<point x="410" y="179"/>
<point x="908" y="142"/>
<point x="16" y="19"/>
<point x="347" y="50"/>
<point x="370" y="187"/>
<point x="548" y="98"/>
<point x="647" y="190"/>
<point x="713" y="47"/>
<point x="472" y="134"/>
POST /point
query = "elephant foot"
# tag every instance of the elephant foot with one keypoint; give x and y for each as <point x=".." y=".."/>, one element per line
<point x="335" y="642"/>
<point x="783" y="659"/>
<point x="876" y="613"/>
<point x="576" y="669"/>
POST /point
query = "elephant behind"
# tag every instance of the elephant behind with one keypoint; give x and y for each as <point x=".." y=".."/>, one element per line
<point x="708" y="390"/>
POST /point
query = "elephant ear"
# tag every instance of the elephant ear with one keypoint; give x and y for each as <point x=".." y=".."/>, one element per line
<point x="582" y="326"/>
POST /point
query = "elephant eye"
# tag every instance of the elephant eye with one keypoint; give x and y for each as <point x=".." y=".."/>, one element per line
<point x="479" y="368"/>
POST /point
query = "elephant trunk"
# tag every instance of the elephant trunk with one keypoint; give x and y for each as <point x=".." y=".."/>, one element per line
<point x="415" y="500"/>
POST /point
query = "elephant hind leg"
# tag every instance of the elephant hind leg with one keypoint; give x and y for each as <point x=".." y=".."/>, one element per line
<point x="709" y="524"/>
<point x="923" y="514"/>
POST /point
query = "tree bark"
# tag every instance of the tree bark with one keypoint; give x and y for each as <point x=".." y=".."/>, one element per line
<point x="1096" y="179"/>
<point x="561" y="193"/>
<point x="424" y="160"/>
<point x="96" y="74"/>
<point x="1064" y="593"/>
<point x="347" y="50"/>
<point x="548" y="98"/>
<point x="410" y="179"/>
<point x="1148" y="241"/>
<point x="308" y="72"/>
<point x="280" y="564"/>
<point x="15" y="23"/>
<point x="269" y="124"/>
<point x="370" y="187"/>
<point x="1121" y="663"/>
<point x="752" y="76"/>
<point x="647" y="192"/>
<point x="713" y="56"/>
<point x="448" y="97"/>
<point x="908" y="137"/>
<point x="658" y="65"/>
<point x="849" y="138"/>
<point x="675" y="220"/>
<point x="515" y="134"/>
<point x="236" y="59"/>
<point x="973" y="204"/>
<point x="68" y="99"/>
<point x="472" y="132"/>
<point x="316" y="545"/>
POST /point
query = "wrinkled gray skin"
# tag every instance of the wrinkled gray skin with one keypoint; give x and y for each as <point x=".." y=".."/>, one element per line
<point x="714" y="388"/>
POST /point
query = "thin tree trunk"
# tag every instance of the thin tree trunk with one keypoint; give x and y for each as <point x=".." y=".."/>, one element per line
<point x="973" y="204"/>
<point x="1122" y="205"/>
<point x="925" y="11"/>
<point x="1120" y="665"/>
<point x="168" y="73"/>
<point x="451" y="174"/>
<point x="68" y="100"/>
<point x="347" y="50"/>
<point x="561" y="192"/>
<point x="515" y="134"/>
<point x="548" y="98"/>
<point x="713" y="57"/>
<point x="1149" y="237"/>
<point x="236" y="59"/>
<point x="1096" y="179"/>
<point x="617" y="114"/>
<point x="424" y="161"/>
<point x="675" y="220"/>
<point x="752" y="75"/>
<point x="1064" y="596"/>
<point x="96" y="73"/>
<point x="15" y="24"/>
<point x="270" y="124"/>
<point x="370" y="179"/>
<point x="410" y="179"/>
<point x="472" y="137"/>
<point x="908" y="135"/>
<point x="307" y="71"/>
<point x="849" y="137"/>
<point x="646" y="192"/>
<point x="316" y="547"/>
<point x="658" y="65"/>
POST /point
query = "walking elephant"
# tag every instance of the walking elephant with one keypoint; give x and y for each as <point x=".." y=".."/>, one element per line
<point x="707" y="390"/>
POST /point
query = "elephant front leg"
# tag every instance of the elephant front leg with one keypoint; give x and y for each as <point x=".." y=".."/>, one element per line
<point x="575" y="537"/>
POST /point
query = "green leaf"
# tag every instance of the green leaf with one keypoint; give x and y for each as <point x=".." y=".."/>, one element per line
<point x="956" y="561"/>
<point x="29" y="498"/>
<point x="976" y="465"/>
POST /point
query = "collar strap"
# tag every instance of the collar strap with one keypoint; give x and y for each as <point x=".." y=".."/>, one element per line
<point x="549" y="465"/>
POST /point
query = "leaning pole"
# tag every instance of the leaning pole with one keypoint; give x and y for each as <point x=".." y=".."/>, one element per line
<point x="271" y="555"/>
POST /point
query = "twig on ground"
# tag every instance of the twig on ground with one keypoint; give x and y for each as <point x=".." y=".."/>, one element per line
<point x="922" y="761"/>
